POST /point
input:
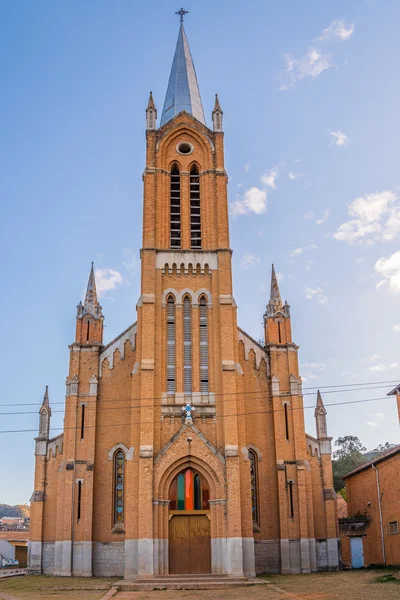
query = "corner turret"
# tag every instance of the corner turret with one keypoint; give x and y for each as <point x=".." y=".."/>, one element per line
<point x="89" y="316"/>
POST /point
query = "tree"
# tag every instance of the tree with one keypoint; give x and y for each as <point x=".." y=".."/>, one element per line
<point x="347" y="457"/>
<point x="382" y="448"/>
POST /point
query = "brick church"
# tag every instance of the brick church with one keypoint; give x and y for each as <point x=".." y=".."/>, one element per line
<point x="184" y="448"/>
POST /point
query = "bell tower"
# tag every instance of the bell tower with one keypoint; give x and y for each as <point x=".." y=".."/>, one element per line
<point x="186" y="344"/>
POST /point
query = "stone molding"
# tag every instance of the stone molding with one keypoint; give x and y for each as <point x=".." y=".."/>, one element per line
<point x="231" y="450"/>
<point x="127" y="451"/>
<point x="194" y="296"/>
<point x="146" y="451"/>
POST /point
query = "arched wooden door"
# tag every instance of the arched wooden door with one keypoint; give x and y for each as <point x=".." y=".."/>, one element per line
<point x="189" y="525"/>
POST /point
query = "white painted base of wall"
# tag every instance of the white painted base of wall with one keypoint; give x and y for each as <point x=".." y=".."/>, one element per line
<point x="34" y="557"/>
<point x="234" y="556"/>
<point x="249" y="568"/>
<point x="62" y="558"/>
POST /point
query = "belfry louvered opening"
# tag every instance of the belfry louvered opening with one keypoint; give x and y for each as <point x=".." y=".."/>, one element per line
<point x="203" y="346"/>
<point x="195" y="217"/>
<point x="175" y="207"/>
<point x="171" y="346"/>
<point x="187" y="345"/>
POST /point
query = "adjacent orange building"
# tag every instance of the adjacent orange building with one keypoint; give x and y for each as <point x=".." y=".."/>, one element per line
<point x="184" y="448"/>
<point x="373" y="491"/>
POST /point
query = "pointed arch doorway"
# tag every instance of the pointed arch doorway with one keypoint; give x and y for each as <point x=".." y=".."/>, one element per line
<point x="189" y="526"/>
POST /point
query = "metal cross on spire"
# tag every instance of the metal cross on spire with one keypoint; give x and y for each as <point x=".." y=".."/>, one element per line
<point x="182" y="12"/>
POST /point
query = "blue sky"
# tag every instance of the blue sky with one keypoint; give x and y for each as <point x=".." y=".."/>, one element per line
<point x="310" y="99"/>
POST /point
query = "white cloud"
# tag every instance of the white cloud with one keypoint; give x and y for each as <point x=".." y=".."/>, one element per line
<point x="309" y="215"/>
<point x="389" y="268"/>
<point x="314" y="365"/>
<point x="316" y="293"/>
<point x="269" y="178"/>
<point x="308" y="265"/>
<point x="372" y="424"/>
<point x="254" y="200"/>
<point x="381" y="367"/>
<point x="396" y="328"/>
<point x="248" y="260"/>
<point x="376" y="217"/>
<point x="314" y="61"/>
<point x="337" y="30"/>
<point x="247" y="167"/>
<point x="293" y="176"/>
<point x="130" y="261"/>
<point x="324" y="217"/>
<point x="311" y="64"/>
<point x="296" y="252"/>
<point x="106" y="280"/>
<point x="340" y="138"/>
<point x="373" y="358"/>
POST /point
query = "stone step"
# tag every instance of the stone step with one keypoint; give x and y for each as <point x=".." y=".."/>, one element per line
<point x="185" y="582"/>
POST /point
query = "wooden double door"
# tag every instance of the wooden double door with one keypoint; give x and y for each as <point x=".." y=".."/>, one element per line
<point x="189" y="543"/>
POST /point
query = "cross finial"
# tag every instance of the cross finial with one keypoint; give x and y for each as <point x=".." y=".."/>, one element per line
<point x="188" y="409"/>
<point x="182" y="12"/>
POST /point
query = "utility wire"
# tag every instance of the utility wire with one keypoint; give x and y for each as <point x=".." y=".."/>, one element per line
<point x="93" y="403"/>
<point x="328" y="390"/>
<point x="227" y="416"/>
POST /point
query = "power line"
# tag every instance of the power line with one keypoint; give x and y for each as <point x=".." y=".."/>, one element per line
<point x="328" y="390"/>
<point x="94" y="404"/>
<point x="146" y="422"/>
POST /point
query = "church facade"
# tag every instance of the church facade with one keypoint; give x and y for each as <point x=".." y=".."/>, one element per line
<point x="184" y="447"/>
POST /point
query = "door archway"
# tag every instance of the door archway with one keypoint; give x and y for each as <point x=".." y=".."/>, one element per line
<point x="189" y="524"/>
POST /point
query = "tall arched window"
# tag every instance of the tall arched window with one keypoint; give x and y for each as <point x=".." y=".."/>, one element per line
<point x="189" y="491"/>
<point x="175" y="207"/>
<point x="187" y="345"/>
<point x="195" y="217"/>
<point x="119" y="485"/>
<point x="254" y="486"/>
<point x="203" y="346"/>
<point x="170" y="345"/>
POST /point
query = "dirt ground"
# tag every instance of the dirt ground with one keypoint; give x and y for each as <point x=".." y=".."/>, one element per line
<point x="45" y="587"/>
<point x="378" y="584"/>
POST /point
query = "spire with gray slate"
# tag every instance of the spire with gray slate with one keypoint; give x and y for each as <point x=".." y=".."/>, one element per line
<point x="183" y="90"/>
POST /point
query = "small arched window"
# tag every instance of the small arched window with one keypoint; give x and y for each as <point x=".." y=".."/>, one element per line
<point x="119" y="486"/>
<point x="175" y="207"/>
<point x="187" y="345"/>
<point x="195" y="216"/>
<point x="203" y="345"/>
<point x="170" y="345"/>
<point x="254" y="486"/>
<point x="189" y="491"/>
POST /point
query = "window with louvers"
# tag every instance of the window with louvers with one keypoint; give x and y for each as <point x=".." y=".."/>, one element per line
<point x="195" y="218"/>
<point x="187" y="346"/>
<point x="203" y="346"/>
<point x="170" y="345"/>
<point x="175" y="208"/>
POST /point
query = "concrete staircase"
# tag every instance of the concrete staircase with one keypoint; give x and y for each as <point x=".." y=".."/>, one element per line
<point x="184" y="582"/>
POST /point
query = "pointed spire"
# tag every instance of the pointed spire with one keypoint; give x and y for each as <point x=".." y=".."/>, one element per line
<point x="151" y="114"/>
<point x="217" y="105"/>
<point x="46" y="403"/>
<point x="275" y="296"/>
<point x="91" y="305"/>
<point x="320" y="417"/>
<point x="183" y="89"/>
<point x="320" y="408"/>
<point x="151" y="102"/>
<point x="44" y="417"/>
<point x="217" y="115"/>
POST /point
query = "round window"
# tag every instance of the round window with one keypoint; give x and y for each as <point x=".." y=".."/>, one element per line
<point x="184" y="148"/>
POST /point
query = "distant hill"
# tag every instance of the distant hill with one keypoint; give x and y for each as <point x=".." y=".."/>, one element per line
<point x="19" y="510"/>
